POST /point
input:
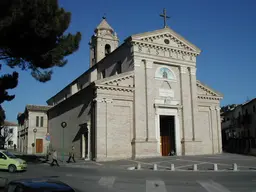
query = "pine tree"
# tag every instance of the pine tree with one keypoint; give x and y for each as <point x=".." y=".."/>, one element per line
<point x="33" y="38"/>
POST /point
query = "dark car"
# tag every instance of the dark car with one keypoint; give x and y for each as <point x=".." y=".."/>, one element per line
<point x="38" y="185"/>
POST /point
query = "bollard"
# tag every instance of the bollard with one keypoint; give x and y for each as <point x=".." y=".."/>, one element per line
<point x="195" y="167"/>
<point x="234" y="167"/>
<point x="155" y="167"/>
<point x="139" y="166"/>
<point x="215" y="167"/>
<point x="172" y="167"/>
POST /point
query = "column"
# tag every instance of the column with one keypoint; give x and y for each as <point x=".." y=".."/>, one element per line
<point x="186" y="104"/>
<point x="89" y="140"/>
<point x="193" y="92"/>
<point x="150" y="111"/>
<point x="83" y="146"/>
<point x="217" y="108"/>
<point x="140" y="119"/>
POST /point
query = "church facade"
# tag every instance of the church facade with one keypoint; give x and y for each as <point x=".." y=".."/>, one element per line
<point x="139" y="99"/>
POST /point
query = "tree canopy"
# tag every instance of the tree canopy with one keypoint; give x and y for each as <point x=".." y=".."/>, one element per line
<point x="32" y="37"/>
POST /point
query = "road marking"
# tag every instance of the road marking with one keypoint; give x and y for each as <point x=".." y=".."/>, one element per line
<point x="212" y="186"/>
<point x="155" y="186"/>
<point x="107" y="181"/>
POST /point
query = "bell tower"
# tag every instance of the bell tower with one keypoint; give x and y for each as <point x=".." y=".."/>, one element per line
<point x="103" y="42"/>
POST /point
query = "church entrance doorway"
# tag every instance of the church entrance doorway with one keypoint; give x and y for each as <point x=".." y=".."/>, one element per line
<point x="167" y="135"/>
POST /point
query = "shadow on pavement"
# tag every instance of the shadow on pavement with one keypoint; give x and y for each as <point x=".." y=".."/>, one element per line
<point x="32" y="159"/>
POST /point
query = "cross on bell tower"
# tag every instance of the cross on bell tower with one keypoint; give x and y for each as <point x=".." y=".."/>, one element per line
<point x="165" y="17"/>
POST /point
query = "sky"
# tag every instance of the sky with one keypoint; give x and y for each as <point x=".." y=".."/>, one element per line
<point x="223" y="29"/>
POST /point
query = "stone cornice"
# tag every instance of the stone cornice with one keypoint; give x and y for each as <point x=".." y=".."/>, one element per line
<point x="208" y="90"/>
<point x="163" y="47"/>
<point x="208" y="97"/>
<point x="115" y="88"/>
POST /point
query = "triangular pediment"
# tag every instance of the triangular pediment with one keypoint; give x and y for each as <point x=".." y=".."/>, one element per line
<point x="120" y="80"/>
<point x="204" y="90"/>
<point x="168" y="38"/>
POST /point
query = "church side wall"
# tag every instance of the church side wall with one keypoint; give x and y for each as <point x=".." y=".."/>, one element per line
<point x="74" y="111"/>
<point x="114" y="124"/>
<point x="109" y="64"/>
<point x="209" y="126"/>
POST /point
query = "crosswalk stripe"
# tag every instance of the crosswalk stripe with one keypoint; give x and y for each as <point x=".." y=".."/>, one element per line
<point x="212" y="186"/>
<point x="155" y="186"/>
<point x="107" y="181"/>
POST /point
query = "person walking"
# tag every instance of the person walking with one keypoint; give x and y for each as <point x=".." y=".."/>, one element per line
<point x="71" y="155"/>
<point x="55" y="158"/>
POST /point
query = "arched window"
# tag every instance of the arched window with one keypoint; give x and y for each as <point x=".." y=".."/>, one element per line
<point x="165" y="73"/>
<point x="107" y="49"/>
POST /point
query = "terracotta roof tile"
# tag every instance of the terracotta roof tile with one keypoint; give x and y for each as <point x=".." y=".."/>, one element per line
<point x="8" y="123"/>
<point x="37" y="107"/>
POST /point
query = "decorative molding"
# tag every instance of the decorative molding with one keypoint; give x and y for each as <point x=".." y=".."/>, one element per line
<point x="183" y="69"/>
<point x="172" y="38"/>
<point x="206" y="90"/>
<point x="107" y="100"/>
<point x="208" y="97"/>
<point x="98" y="100"/>
<point x="212" y="108"/>
<point x="192" y="70"/>
<point x="119" y="79"/>
<point x="217" y="108"/>
<point x="114" y="88"/>
<point x="156" y="49"/>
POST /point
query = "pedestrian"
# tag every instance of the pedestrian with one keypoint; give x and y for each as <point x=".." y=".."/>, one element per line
<point x="71" y="155"/>
<point x="55" y="158"/>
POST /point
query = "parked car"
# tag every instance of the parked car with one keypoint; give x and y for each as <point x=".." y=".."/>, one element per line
<point x="38" y="185"/>
<point x="10" y="162"/>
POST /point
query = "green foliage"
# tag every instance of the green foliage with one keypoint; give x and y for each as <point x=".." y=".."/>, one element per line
<point x="32" y="36"/>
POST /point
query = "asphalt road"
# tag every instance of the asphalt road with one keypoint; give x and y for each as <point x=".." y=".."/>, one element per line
<point x="116" y="180"/>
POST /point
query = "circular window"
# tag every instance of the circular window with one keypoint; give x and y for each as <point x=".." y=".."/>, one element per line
<point x="166" y="41"/>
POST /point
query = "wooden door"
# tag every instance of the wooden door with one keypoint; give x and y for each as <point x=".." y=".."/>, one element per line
<point x="165" y="145"/>
<point x="39" y="145"/>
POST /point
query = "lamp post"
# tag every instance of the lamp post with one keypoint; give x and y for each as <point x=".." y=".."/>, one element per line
<point x="35" y="130"/>
<point x="63" y="125"/>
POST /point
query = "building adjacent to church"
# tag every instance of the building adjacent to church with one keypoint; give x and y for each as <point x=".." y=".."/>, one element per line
<point x="32" y="130"/>
<point x="137" y="99"/>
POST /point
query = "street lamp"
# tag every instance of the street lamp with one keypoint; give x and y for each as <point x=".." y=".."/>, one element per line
<point x="63" y="125"/>
<point x="35" y="130"/>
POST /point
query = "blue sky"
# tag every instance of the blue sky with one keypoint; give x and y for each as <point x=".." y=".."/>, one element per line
<point x="223" y="29"/>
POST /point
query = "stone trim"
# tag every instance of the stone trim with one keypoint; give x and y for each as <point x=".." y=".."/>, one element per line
<point x="175" y="53"/>
<point x="114" y="79"/>
<point x="206" y="97"/>
<point x="115" y="88"/>
<point x="208" y="90"/>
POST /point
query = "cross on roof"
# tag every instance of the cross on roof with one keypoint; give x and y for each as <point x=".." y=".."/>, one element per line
<point x="165" y="17"/>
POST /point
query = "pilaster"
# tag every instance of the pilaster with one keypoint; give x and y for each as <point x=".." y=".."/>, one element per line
<point x="150" y="114"/>
<point x="193" y="92"/>
<point x="212" y="110"/>
<point x="100" y="128"/>
<point x="217" y="108"/>
<point x="140" y="118"/>
<point x="186" y="104"/>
